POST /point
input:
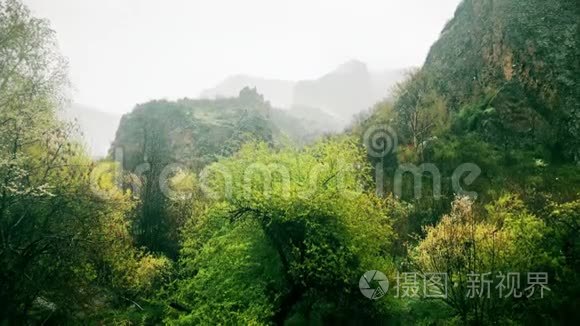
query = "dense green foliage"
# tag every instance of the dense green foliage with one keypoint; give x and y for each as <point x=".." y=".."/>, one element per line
<point x="207" y="213"/>
<point x="294" y="230"/>
<point x="190" y="133"/>
<point x="498" y="91"/>
<point x="64" y="252"/>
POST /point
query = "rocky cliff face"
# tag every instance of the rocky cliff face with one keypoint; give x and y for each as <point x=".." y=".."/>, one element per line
<point x="523" y="57"/>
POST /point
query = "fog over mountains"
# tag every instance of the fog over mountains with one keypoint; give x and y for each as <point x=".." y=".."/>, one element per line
<point x="96" y="129"/>
<point x="325" y="104"/>
<point x="341" y="93"/>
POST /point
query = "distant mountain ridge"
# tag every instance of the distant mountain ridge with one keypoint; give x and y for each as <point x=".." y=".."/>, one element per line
<point x="279" y="92"/>
<point x="309" y="108"/>
<point x="341" y="93"/>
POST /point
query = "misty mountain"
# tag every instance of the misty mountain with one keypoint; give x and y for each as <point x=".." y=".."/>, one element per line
<point x="278" y="92"/>
<point x="337" y="95"/>
<point x="304" y="125"/>
<point x="346" y="91"/>
<point x="96" y="129"/>
<point x="383" y="81"/>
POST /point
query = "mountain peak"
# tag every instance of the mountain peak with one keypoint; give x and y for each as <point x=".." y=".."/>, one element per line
<point x="352" y="66"/>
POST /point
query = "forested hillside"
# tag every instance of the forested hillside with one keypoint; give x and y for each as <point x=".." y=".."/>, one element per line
<point x="455" y="202"/>
<point x="494" y="108"/>
<point x="193" y="132"/>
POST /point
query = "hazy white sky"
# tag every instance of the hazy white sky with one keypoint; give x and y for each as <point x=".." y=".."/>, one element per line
<point x="123" y="52"/>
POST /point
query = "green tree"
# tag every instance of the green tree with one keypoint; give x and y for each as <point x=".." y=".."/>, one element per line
<point x="305" y="213"/>
<point x="63" y="248"/>
<point x="421" y="112"/>
<point x="507" y="239"/>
